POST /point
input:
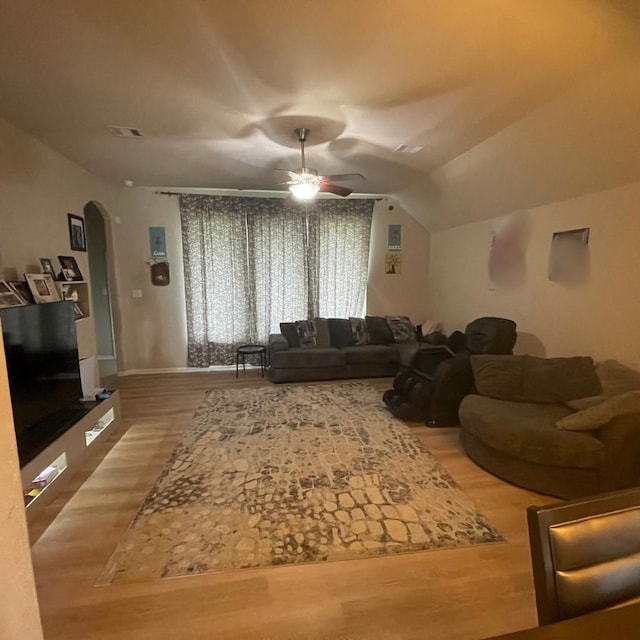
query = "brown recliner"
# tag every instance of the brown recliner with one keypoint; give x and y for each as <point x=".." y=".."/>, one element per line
<point x="438" y="378"/>
<point x="585" y="554"/>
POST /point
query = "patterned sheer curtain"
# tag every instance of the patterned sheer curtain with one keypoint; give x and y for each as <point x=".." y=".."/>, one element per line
<point x="340" y="231"/>
<point x="251" y="263"/>
<point x="215" y="254"/>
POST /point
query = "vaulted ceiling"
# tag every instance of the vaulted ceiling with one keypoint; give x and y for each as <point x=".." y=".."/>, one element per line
<point x="516" y="103"/>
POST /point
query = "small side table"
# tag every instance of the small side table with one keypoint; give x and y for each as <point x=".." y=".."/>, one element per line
<point x="252" y="350"/>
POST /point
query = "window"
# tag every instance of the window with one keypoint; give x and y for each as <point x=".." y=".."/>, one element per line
<point x="251" y="263"/>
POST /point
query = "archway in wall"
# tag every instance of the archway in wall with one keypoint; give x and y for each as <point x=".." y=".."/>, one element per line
<point x="101" y="309"/>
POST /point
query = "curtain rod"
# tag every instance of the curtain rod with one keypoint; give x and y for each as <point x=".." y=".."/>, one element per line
<point x="181" y="193"/>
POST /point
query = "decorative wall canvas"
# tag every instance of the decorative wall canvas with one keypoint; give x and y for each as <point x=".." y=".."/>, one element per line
<point x="393" y="263"/>
<point x="157" y="242"/>
<point x="394" y="241"/>
<point x="569" y="256"/>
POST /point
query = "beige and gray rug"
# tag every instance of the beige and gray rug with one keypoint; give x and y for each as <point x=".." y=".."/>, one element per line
<point x="290" y="474"/>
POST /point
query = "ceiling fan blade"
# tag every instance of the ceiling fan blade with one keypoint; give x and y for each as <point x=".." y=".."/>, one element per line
<point x="327" y="187"/>
<point x="339" y="177"/>
<point x="265" y="188"/>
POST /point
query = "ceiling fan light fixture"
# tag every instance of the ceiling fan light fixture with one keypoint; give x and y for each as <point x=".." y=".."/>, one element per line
<point x="305" y="186"/>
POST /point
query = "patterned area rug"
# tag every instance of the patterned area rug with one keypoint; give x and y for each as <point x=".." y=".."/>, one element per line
<point x="290" y="474"/>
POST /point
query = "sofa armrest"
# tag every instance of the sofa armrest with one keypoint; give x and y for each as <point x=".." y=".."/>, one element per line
<point x="621" y="439"/>
<point x="277" y="342"/>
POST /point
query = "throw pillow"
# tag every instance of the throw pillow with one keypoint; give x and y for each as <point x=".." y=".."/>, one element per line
<point x="359" y="331"/>
<point x="499" y="377"/>
<point x="322" y="332"/>
<point x="340" y="332"/>
<point x="401" y="328"/>
<point x="597" y="416"/>
<point x="554" y="380"/>
<point x="378" y="329"/>
<point x="615" y="379"/>
<point x="306" y="333"/>
<point x="531" y="379"/>
<point x="290" y="333"/>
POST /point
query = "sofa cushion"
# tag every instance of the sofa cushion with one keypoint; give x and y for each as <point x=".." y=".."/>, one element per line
<point x="401" y="328"/>
<point x="615" y="379"/>
<point x="359" y="331"/>
<point x="290" y="332"/>
<point x="378" y="329"/>
<point x="340" y="332"/>
<point x="322" y="332"/>
<point x="306" y="333"/>
<point x="298" y="358"/>
<point x="527" y="431"/>
<point x="598" y="415"/>
<point x="377" y="354"/>
<point x="531" y="379"/>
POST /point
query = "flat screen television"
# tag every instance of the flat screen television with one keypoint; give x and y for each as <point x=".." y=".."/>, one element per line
<point x="41" y="349"/>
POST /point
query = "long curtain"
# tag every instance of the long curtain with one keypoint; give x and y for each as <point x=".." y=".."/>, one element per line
<point x="251" y="263"/>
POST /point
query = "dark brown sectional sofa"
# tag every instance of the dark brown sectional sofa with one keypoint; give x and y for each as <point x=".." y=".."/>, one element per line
<point x="341" y="358"/>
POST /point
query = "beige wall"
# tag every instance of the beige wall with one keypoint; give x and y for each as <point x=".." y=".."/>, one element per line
<point x="404" y="293"/>
<point x="19" y="614"/>
<point x="38" y="187"/>
<point x="598" y="318"/>
<point x="151" y="331"/>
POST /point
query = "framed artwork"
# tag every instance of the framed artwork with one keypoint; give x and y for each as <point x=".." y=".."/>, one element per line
<point x="393" y="263"/>
<point x="43" y="287"/>
<point x="77" y="236"/>
<point x="77" y="311"/>
<point x="8" y="297"/>
<point x="394" y="239"/>
<point x="47" y="267"/>
<point x="157" y="242"/>
<point x="70" y="269"/>
<point x="21" y="289"/>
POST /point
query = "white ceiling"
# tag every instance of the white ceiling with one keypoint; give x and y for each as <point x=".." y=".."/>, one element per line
<point x="516" y="102"/>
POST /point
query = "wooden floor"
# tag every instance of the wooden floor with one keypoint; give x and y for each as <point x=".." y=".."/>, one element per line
<point x="466" y="593"/>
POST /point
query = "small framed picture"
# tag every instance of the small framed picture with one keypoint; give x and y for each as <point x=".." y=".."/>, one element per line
<point x="8" y="297"/>
<point x="70" y="269"/>
<point x="21" y="289"/>
<point x="47" y="267"/>
<point x="77" y="236"/>
<point x="77" y="311"/>
<point x="43" y="287"/>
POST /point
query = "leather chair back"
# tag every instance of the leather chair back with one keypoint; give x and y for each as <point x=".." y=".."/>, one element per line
<point x="585" y="554"/>
<point x="490" y="335"/>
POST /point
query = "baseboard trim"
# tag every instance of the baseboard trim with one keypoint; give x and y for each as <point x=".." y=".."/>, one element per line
<point x="138" y="372"/>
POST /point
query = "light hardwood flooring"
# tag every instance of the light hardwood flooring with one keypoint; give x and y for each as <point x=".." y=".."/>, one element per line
<point x="468" y="593"/>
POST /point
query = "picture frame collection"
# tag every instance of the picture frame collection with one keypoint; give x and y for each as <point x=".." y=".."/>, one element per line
<point x="41" y="288"/>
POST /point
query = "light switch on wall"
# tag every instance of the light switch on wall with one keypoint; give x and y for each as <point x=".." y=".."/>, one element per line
<point x="136" y="293"/>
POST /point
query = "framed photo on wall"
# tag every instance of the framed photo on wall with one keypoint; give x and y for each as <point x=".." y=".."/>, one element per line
<point x="8" y="297"/>
<point x="77" y="237"/>
<point x="70" y="268"/>
<point x="47" y="267"/>
<point x="43" y="287"/>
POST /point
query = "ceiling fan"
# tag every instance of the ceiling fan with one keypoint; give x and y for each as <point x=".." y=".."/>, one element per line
<point x="304" y="183"/>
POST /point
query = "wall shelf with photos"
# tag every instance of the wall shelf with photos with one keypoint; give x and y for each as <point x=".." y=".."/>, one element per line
<point x="79" y="293"/>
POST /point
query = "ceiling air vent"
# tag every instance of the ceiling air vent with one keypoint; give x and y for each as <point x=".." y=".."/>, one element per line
<point x="403" y="148"/>
<point x="125" y="132"/>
